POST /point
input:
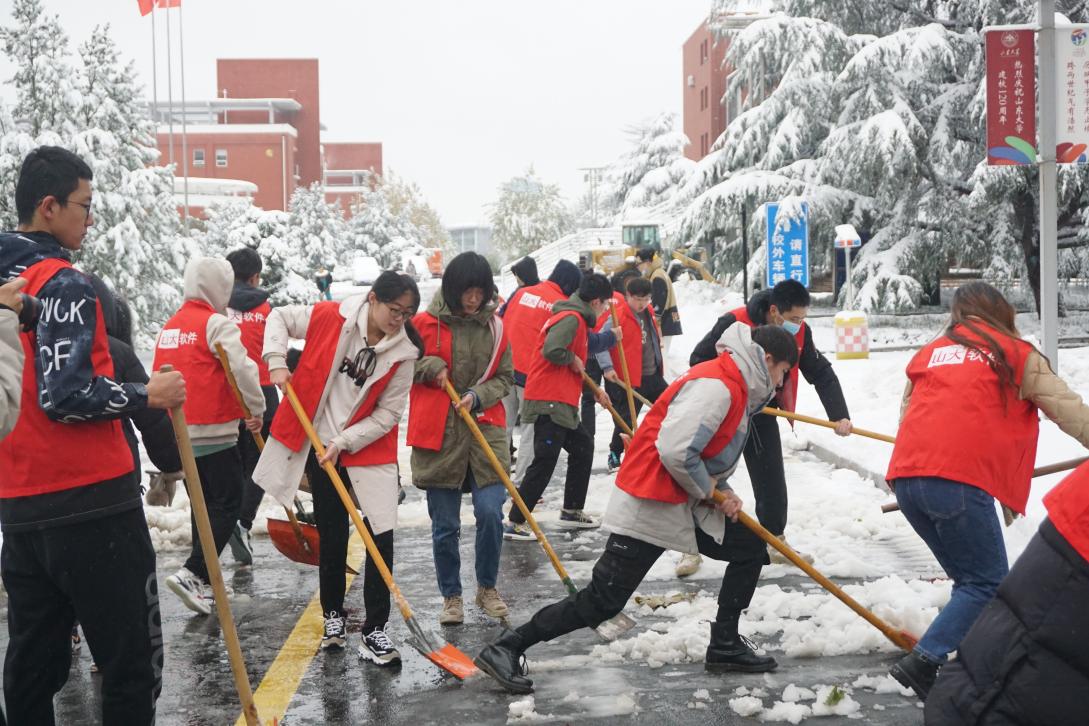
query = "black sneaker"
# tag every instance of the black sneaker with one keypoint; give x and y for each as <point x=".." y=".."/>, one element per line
<point x="334" y="631"/>
<point x="577" y="519"/>
<point x="729" y="651"/>
<point x="378" y="649"/>
<point x="915" y="672"/>
<point x="614" y="461"/>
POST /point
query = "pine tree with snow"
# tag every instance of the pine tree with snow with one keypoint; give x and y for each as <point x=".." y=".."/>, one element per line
<point x="528" y="214"/>
<point x="37" y="47"/>
<point x="650" y="172"/>
<point x="875" y="116"/>
<point x="316" y="229"/>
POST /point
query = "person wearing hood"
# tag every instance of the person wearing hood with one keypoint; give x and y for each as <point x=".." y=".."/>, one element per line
<point x="553" y="392"/>
<point x="188" y="342"/>
<point x="75" y="535"/>
<point x="11" y="354"/>
<point x="523" y="315"/>
<point x="353" y="379"/>
<point x="249" y="309"/>
<point x="465" y="343"/>
<point x="662" y="298"/>
<point x="785" y="305"/>
<point x="687" y="446"/>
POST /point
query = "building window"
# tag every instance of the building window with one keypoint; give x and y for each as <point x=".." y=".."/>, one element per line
<point x="221" y="157"/>
<point x="703" y="52"/>
<point x="198" y="157"/>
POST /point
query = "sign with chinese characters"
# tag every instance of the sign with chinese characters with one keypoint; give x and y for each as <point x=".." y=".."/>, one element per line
<point x="1072" y="94"/>
<point x="1011" y="97"/>
<point x="788" y="246"/>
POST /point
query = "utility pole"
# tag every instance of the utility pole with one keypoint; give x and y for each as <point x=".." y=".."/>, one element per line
<point x="593" y="176"/>
<point x="1049" y="213"/>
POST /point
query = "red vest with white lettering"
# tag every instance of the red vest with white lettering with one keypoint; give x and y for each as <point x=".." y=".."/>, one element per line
<point x="962" y="424"/>
<point x="546" y="381"/>
<point x="642" y="473"/>
<point x="429" y="405"/>
<point x="251" y="324"/>
<point x="787" y="396"/>
<point x="528" y="309"/>
<point x="617" y="299"/>
<point x="1068" y="509"/>
<point x="183" y="343"/>
<point x="316" y="364"/>
<point x="632" y="342"/>
<point x="41" y="455"/>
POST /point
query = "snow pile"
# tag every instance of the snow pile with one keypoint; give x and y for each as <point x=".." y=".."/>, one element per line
<point x="793" y="694"/>
<point x="882" y="684"/>
<point x="789" y="712"/>
<point x="834" y="701"/>
<point x="746" y="705"/>
<point x="524" y="710"/>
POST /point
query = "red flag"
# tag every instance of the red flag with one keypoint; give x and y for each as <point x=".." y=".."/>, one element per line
<point x="145" y="6"/>
<point x="168" y="3"/>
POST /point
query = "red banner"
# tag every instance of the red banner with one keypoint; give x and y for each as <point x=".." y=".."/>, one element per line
<point x="145" y="6"/>
<point x="1011" y="97"/>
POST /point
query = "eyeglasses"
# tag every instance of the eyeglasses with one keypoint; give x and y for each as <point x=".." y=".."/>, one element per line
<point x="398" y="313"/>
<point x="361" y="367"/>
<point x="86" y="208"/>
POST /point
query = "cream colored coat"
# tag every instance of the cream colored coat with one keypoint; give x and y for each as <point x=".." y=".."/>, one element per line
<point x="279" y="470"/>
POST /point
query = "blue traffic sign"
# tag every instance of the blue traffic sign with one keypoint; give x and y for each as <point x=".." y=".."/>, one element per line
<point x="788" y="246"/>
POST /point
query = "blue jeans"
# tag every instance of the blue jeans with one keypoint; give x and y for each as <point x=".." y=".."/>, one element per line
<point x="444" y="508"/>
<point x="959" y="524"/>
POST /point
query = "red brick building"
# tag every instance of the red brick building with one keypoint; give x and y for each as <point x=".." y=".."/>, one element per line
<point x="347" y="167"/>
<point x="264" y="127"/>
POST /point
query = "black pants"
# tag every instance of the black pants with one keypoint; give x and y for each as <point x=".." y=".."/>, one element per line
<point x="589" y="404"/>
<point x="764" y="461"/>
<point x="221" y="481"/>
<point x="332" y="522"/>
<point x="622" y="568"/>
<point x="101" y="572"/>
<point x="247" y="449"/>
<point x="548" y="439"/>
<point x="651" y="387"/>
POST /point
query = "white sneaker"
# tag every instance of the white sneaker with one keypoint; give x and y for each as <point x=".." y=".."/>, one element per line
<point x="334" y="636"/>
<point x="379" y="649"/>
<point x="194" y="593"/>
<point x="688" y="565"/>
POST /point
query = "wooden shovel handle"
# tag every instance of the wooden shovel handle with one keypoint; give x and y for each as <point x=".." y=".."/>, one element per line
<point x="511" y="489"/>
<point x="899" y="638"/>
<point x="342" y="492"/>
<point x="626" y="376"/>
<point x="211" y="560"/>
<point x="608" y="407"/>
<point x="258" y="439"/>
<point x="827" y="424"/>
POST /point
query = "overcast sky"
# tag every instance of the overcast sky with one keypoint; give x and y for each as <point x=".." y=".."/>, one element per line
<point x="463" y="95"/>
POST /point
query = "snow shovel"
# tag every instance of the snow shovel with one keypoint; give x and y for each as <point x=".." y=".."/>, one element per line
<point x="444" y="655"/>
<point x="288" y="537"/>
<point x="610" y="629"/>
<point x="624" y="370"/>
<point x="900" y="638"/>
<point x="642" y="399"/>
<point x="608" y="407"/>
<point x="827" y="424"/>
<point x="211" y="560"/>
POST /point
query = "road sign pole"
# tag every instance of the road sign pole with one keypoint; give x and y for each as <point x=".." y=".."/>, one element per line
<point x="850" y="290"/>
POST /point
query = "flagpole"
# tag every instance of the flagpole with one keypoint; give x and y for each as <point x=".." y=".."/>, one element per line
<point x="169" y="86"/>
<point x="154" y="75"/>
<point x="185" y="142"/>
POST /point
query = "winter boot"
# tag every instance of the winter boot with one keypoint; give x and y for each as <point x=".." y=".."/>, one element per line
<point x="730" y="651"/>
<point x="915" y="672"/>
<point x="778" y="558"/>
<point x="689" y="565"/>
<point x="504" y="660"/>
<point x="489" y="601"/>
<point x="453" y="611"/>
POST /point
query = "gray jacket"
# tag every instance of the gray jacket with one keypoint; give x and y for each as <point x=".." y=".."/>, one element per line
<point x="11" y="371"/>
<point x="694" y="415"/>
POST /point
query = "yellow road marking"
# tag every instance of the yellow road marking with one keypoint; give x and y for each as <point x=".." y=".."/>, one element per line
<point x="282" y="680"/>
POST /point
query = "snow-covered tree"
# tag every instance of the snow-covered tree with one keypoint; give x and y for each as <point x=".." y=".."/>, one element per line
<point x="316" y="229"/>
<point x="649" y="173"/>
<point x="37" y="47"/>
<point x="529" y="213"/>
<point x="874" y="114"/>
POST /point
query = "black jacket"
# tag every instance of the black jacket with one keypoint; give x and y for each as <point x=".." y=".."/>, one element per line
<point x="246" y="297"/>
<point x="526" y="270"/>
<point x="814" y="367"/>
<point x="1026" y="659"/>
<point x="156" y="431"/>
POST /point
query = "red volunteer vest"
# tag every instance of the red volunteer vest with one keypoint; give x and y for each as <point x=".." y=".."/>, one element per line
<point x="251" y="324"/>
<point x="617" y="299"/>
<point x="546" y="381"/>
<point x="787" y="396"/>
<point x="426" y="428"/>
<point x="316" y="365"/>
<point x="183" y="343"/>
<point x="960" y="426"/>
<point x="633" y="342"/>
<point x="1068" y="509"/>
<point x="642" y="473"/>
<point x="527" y="311"/>
<point x="41" y="455"/>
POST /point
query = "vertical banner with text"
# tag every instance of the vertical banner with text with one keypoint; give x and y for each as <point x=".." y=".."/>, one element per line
<point x="1011" y="97"/>
<point x="1072" y="94"/>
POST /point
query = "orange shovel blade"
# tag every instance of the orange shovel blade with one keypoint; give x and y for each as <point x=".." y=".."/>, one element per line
<point x="453" y="661"/>
<point x="284" y="539"/>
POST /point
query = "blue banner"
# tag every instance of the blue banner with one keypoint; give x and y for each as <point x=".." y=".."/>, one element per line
<point x="788" y="247"/>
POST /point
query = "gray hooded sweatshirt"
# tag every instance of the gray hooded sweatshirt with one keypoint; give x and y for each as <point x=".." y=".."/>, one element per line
<point x="695" y="413"/>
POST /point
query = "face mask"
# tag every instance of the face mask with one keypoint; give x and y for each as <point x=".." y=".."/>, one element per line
<point x="791" y="327"/>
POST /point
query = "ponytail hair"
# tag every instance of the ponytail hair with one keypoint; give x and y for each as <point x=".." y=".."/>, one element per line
<point x="978" y="302"/>
<point x="391" y="285"/>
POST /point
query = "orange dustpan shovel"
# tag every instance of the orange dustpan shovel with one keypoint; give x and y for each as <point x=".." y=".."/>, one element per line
<point x="442" y="654"/>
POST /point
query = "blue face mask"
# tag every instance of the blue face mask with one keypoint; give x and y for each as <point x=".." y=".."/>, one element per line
<point x="791" y="327"/>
